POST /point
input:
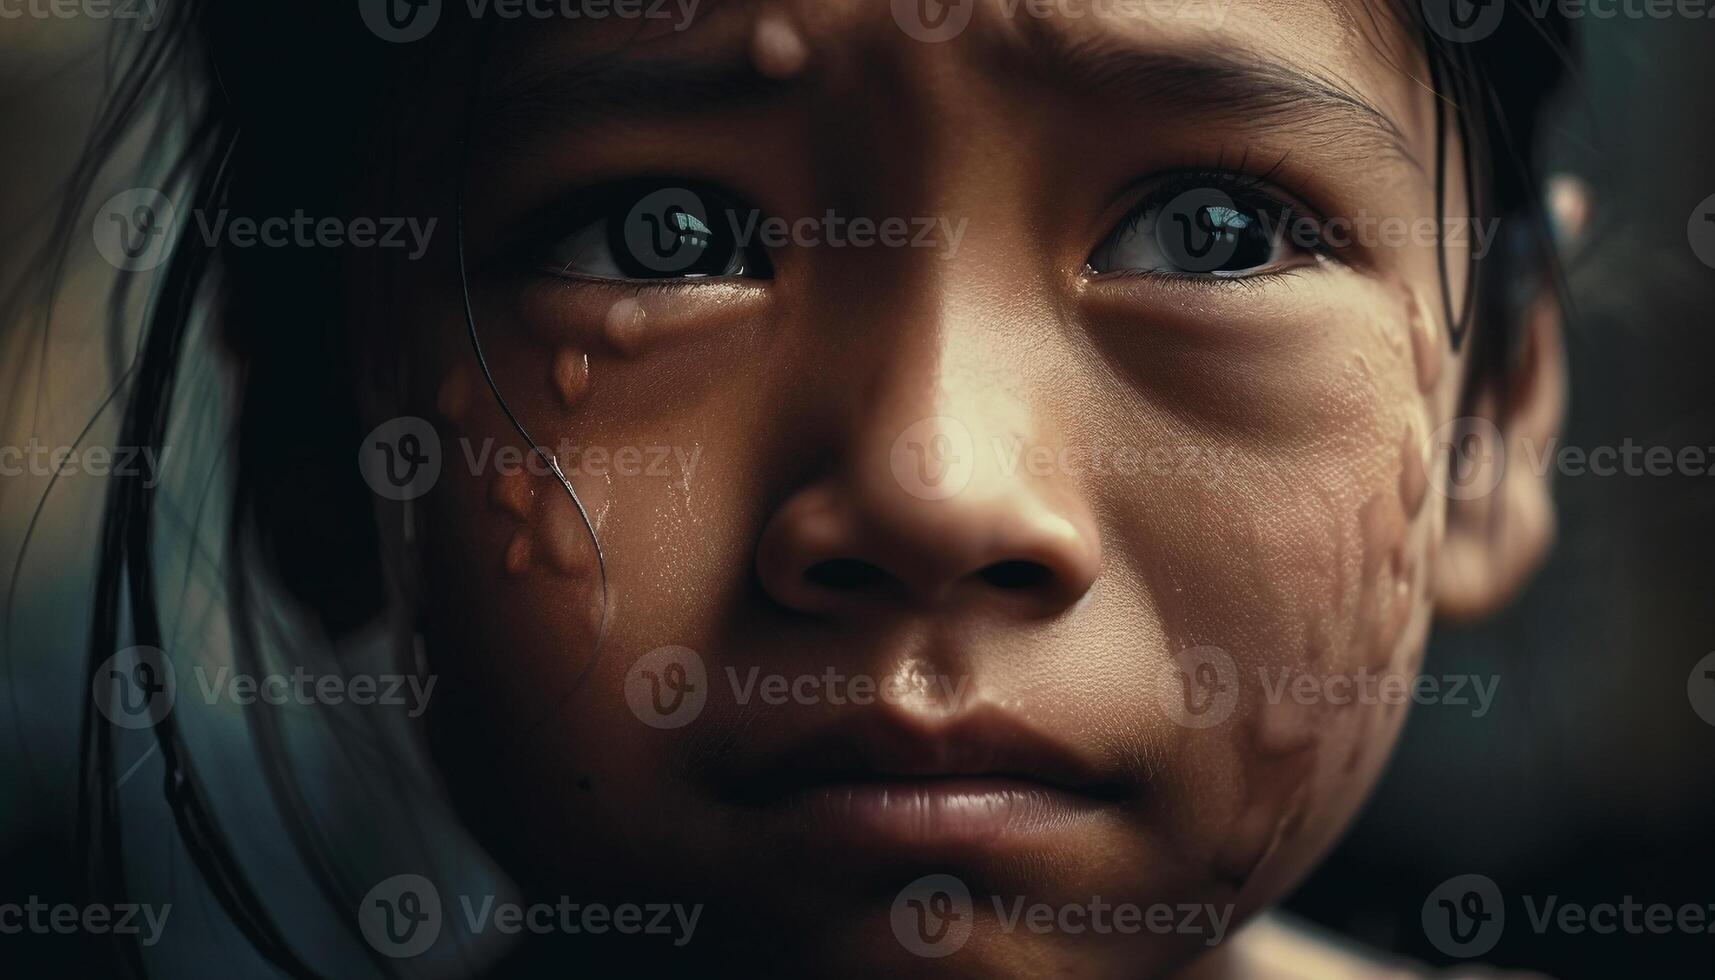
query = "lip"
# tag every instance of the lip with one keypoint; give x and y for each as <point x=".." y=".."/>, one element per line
<point x="886" y="783"/>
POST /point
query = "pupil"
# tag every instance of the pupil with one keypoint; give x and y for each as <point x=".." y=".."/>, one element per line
<point x="680" y="245"/>
<point x="1245" y="231"/>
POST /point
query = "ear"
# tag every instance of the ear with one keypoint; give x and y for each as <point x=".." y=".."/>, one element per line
<point x="1500" y="509"/>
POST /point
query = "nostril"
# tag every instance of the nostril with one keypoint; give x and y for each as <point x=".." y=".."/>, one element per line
<point x="1016" y="575"/>
<point x="845" y="575"/>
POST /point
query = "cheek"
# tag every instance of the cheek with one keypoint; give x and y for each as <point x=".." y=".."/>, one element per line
<point x="1306" y="562"/>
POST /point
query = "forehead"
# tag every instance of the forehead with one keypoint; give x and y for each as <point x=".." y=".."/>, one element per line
<point x="1358" y="47"/>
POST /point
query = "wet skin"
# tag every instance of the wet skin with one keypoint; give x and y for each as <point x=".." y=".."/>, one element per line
<point x="1043" y="627"/>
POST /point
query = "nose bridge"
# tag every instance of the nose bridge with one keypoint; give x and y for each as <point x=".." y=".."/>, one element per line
<point x="941" y="458"/>
<point x="929" y="500"/>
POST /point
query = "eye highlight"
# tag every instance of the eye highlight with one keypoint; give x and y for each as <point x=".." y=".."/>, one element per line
<point x="1208" y="225"/>
<point x="652" y="232"/>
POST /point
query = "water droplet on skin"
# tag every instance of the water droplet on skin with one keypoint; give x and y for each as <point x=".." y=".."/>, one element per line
<point x="1413" y="479"/>
<point x="1382" y="526"/>
<point x="1273" y="810"/>
<point x="777" y="49"/>
<point x="626" y="322"/>
<point x="518" y="554"/>
<point x="564" y="539"/>
<point x="453" y="399"/>
<point x="510" y="493"/>
<point x="571" y="375"/>
<point x="1426" y="344"/>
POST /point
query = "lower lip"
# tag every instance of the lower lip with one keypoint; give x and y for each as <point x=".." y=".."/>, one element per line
<point x="979" y="812"/>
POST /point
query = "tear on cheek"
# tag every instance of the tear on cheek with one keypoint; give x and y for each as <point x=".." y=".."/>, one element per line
<point x="1385" y="608"/>
<point x="570" y="375"/>
<point x="1428" y="349"/>
<point x="452" y="401"/>
<point x="549" y="535"/>
<point x="1413" y="477"/>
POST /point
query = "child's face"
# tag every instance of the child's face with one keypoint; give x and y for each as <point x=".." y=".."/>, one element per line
<point x="1068" y="504"/>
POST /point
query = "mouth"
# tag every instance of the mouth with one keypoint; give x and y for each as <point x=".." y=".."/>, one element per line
<point x="886" y="784"/>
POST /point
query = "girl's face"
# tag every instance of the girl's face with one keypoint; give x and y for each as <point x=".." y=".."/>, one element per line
<point x="985" y="438"/>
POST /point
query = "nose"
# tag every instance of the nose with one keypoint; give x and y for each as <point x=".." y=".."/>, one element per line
<point x="939" y="503"/>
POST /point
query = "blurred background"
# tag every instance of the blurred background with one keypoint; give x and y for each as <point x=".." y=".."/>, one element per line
<point x="1589" y="780"/>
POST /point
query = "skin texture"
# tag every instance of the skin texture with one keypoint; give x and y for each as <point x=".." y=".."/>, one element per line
<point x="1322" y="545"/>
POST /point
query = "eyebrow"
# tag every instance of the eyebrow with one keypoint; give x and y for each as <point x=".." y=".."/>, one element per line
<point x="1251" y="91"/>
<point x="1254" y="92"/>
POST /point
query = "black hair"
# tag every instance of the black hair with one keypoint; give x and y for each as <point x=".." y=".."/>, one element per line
<point x="268" y="108"/>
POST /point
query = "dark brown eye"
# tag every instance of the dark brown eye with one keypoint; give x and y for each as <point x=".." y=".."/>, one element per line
<point x="656" y="232"/>
<point x="1199" y="231"/>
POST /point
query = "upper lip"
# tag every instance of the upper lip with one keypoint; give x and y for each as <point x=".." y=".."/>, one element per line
<point x="889" y="746"/>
